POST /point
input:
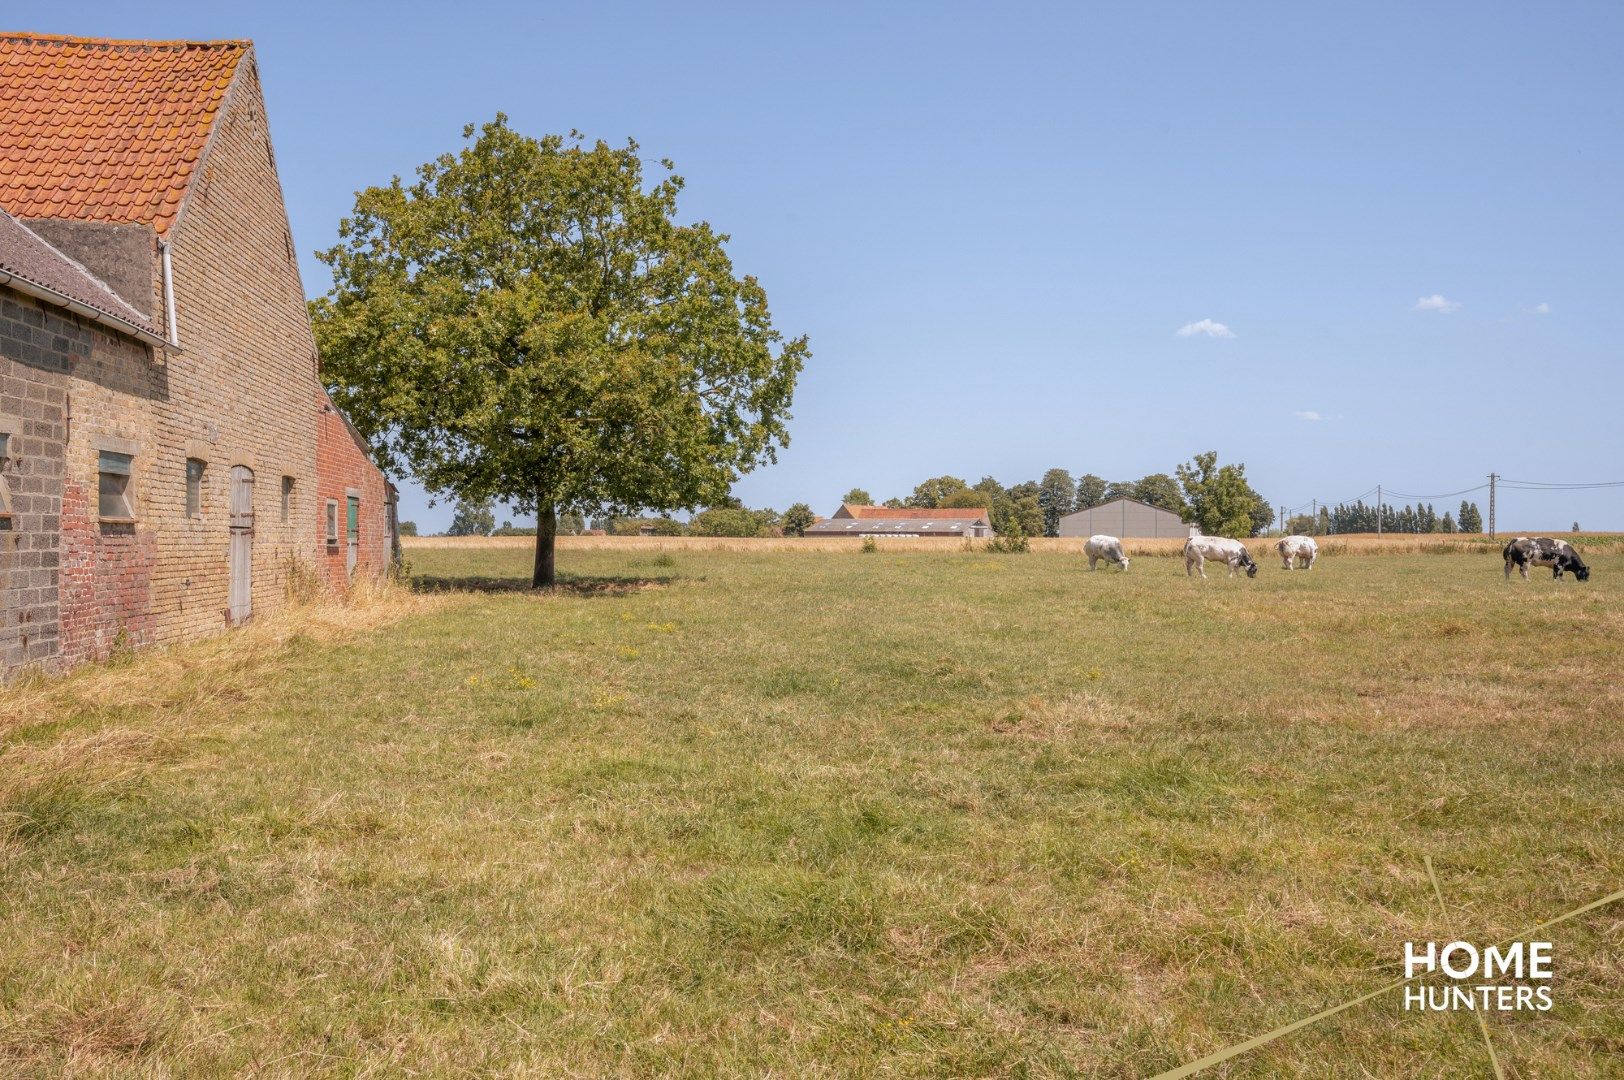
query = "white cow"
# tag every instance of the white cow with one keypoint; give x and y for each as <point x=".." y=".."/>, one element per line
<point x="1109" y="548"/>
<point x="1292" y="548"/>
<point x="1198" y="549"/>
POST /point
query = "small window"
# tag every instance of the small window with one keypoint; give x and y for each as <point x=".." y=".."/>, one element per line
<point x="287" y="498"/>
<point x="113" y="487"/>
<point x="194" y="487"/>
<point x="332" y="522"/>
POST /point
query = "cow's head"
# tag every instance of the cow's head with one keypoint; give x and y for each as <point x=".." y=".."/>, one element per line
<point x="1124" y="562"/>
<point x="1580" y="570"/>
<point x="1251" y="567"/>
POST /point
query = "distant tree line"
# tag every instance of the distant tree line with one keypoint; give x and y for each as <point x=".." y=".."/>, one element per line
<point x="1217" y="497"/>
<point x="1360" y="517"/>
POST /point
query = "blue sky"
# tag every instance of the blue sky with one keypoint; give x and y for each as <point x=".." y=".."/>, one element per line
<point x="994" y="220"/>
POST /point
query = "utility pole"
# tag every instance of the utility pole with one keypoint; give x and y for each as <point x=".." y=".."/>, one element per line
<point x="1492" y="478"/>
<point x="1313" y="515"/>
<point x="1282" y="518"/>
<point x="1379" y="509"/>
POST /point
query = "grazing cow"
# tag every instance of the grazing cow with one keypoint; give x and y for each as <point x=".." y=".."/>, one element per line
<point x="1104" y="547"/>
<point x="1198" y="549"/>
<point x="1292" y="548"/>
<point x="1559" y="555"/>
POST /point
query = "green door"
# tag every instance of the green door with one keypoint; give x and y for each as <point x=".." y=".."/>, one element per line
<point x="354" y="527"/>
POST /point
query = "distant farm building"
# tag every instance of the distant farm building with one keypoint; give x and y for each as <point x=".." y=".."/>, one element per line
<point x="853" y="520"/>
<point x="1124" y="518"/>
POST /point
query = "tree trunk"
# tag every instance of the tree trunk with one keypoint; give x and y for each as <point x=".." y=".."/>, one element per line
<point x="545" y="574"/>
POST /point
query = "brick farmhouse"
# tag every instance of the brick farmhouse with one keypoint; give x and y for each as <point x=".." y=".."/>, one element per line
<point x="169" y="459"/>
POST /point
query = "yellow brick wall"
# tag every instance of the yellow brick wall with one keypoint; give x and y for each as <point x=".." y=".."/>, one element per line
<point x="240" y="392"/>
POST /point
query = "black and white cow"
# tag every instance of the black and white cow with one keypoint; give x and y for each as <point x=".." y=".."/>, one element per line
<point x="1198" y="549"/>
<point x="1559" y="555"/>
<point x="1109" y="548"/>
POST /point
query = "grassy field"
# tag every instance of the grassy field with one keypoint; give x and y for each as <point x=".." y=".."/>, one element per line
<point x="741" y="811"/>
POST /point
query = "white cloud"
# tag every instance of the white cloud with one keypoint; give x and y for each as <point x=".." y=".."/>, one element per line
<point x="1307" y="414"/>
<point x="1439" y="303"/>
<point x="1206" y="327"/>
<point x="1542" y="309"/>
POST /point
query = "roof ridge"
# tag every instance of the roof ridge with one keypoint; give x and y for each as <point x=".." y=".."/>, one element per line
<point x="169" y="43"/>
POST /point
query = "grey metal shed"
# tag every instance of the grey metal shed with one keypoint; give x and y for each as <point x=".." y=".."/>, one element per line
<point x="1124" y="518"/>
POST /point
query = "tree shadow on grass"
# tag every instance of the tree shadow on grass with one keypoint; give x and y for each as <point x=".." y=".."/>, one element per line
<point x="568" y="584"/>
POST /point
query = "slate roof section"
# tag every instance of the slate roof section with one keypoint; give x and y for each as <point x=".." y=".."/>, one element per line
<point x="99" y="130"/>
<point x="27" y="258"/>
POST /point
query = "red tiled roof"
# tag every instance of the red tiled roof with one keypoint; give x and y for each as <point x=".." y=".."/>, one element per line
<point x="96" y="130"/>
<point x="887" y="512"/>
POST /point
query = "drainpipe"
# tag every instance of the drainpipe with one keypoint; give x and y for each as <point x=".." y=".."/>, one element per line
<point x="169" y="296"/>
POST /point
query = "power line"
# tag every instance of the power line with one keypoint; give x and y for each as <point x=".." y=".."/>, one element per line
<point x="1444" y="495"/>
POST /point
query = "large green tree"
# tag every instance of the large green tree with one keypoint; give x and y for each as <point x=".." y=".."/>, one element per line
<point x="798" y="518"/>
<point x="1159" y="489"/>
<point x="1090" y="491"/>
<point x="1221" y="501"/>
<point x="929" y="495"/>
<point x="472" y="519"/>
<point x="527" y="321"/>
<point x="858" y="497"/>
<point x="1057" y="495"/>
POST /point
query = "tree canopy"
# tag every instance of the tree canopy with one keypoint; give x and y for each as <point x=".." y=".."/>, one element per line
<point x="1221" y="501"/>
<point x="527" y="322"/>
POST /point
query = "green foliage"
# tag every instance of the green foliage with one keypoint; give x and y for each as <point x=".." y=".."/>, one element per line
<point x="527" y="322"/>
<point x="1159" y="489"/>
<point x="659" y="526"/>
<point x="408" y="528"/>
<point x="1447" y="524"/>
<point x="472" y="519"/>
<point x="733" y="521"/>
<point x="1012" y="516"/>
<point x="968" y="499"/>
<point x="1301" y="524"/>
<point x="871" y="546"/>
<point x="857" y="497"/>
<point x="1471" y="521"/>
<point x="1221" y="502"/>
<point x="1090" y="491"/>
<point x="507" y="528"/>
<point x="930" y="494"/>
<point x="797" y="519"/>
<point x="1013" y="544"/>
<point x="1057" y="495"/>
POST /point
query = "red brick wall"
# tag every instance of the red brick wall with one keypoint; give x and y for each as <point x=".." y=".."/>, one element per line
<point x="343" y="468"/>
<point x="71" y="585"/>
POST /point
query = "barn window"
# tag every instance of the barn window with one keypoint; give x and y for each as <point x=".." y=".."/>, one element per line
<point x="5" y="496"/>
<point x="332" y="523"/>
<point x="287" y="498"/>
<point x="194" y="487"/>
<point x="113" y="487"/>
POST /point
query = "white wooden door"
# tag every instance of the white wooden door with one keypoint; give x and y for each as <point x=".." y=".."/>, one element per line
<point x="242" y="544"/>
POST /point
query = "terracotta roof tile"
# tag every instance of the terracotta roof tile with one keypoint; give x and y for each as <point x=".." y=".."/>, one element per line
<point x="98" y="130"/>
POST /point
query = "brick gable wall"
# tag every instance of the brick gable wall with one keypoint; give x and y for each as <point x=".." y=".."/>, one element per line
<point x="242" y="392"/>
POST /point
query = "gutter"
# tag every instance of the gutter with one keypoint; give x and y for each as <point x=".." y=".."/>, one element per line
<point x="56" y="299"/>
<point x="169" y="297"/>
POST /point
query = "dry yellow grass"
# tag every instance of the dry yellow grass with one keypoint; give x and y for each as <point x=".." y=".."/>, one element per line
<point x="1354" y="543"/>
